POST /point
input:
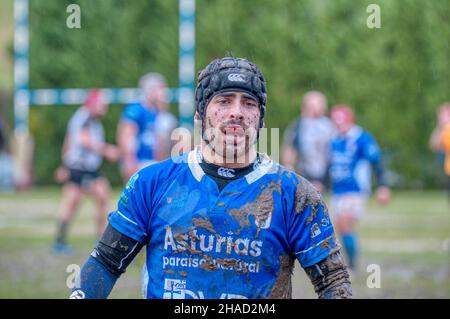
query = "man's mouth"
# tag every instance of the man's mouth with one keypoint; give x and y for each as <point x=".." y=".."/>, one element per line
<point x="233" y="129"/>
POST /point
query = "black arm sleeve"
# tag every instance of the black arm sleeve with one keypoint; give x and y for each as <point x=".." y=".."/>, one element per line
<point x="116" y="250"/>
<point x="330" y="278"/>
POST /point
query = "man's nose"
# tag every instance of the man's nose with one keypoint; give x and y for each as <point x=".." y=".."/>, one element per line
<point x="236" y="110"/>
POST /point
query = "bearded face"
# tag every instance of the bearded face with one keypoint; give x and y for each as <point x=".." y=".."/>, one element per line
<point x="231" y="125"/>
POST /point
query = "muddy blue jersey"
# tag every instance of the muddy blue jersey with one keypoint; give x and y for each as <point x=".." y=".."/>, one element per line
<point x="144" y="119"/>
<point x="352" y="157"/>
<point x="237" y="243"/>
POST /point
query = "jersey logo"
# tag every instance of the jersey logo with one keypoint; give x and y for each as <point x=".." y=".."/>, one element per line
<point x="236" y="77"/>
<point x="315" y="231"/>
<point x="176" y="289"/>
<point x="226" y="172"/>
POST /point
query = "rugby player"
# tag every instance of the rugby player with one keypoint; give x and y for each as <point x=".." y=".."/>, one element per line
<point x="221" y="221"/>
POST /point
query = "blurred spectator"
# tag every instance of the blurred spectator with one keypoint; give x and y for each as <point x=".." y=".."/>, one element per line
<point x="6" y="164"/>
<point x="443" y="140"/>
<point x="436" y="142"/>
<point x="2" y="136"/>
<point x="166" y="122"/>
<point x="83" y="150"/>
<point x="143" y="132"/>
<point x="353" y="152"/>
<point x="306" y="140"/>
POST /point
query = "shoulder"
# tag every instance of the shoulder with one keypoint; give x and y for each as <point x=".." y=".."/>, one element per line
<point x="446" y="132"/>
<point x="132" y="110"/>
<point x="166" y="120"/>
<point x="79" y="118"/>
<point x="327" y="124"/>
<point x="366" y="137"/>
<point x="294" y="124"/>
<point x="162" y="171"/>
<point x="297" y="188"/>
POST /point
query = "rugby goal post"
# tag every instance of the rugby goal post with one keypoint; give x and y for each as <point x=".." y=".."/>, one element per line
<point x="24" y="97"/>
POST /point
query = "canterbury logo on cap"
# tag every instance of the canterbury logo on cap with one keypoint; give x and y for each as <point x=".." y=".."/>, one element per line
<point x="226" y="172"/>
<point x="236" y="77"/>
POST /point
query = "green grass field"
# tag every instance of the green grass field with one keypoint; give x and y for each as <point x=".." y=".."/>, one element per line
<point x="409" y="240"/>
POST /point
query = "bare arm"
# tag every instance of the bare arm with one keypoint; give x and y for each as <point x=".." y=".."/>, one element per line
<point x="289" y="157"/>
<point x="330" y="278"/>
<point x="126" y="135"/>
<point x="109" y="151"/>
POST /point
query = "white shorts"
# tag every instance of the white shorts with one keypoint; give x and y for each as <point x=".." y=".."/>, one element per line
<point x="352" y="203"/>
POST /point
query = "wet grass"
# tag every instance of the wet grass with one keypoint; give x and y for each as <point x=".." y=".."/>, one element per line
<point x="407" y="239"/>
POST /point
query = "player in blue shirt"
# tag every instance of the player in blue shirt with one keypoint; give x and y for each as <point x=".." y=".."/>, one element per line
<point x="136" y="134"/>
<point x="353" y="154"/>
<point x="221" y="221"/>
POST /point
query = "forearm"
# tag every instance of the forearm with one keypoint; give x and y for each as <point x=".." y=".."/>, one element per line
<point x="380" y="173"/>
<point x="95" y="281"/>
<point x="107" y="262"/>
<point x="330" y="278"/>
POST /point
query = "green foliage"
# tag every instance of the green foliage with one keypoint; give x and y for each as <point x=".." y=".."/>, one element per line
<point x="395" y="77"/>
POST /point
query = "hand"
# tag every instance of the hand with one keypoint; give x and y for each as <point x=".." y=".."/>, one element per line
<point x="111" y="152"/>
<point x="61" y="174"/>
<point x="383" y="195"/>
<point x="128" y="169"/>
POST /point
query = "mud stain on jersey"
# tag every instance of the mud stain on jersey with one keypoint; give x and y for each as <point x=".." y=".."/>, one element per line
<point x="283" y="286"/>
<point x="182" y="241"/>
<point x="212" y="264"/>
<point x="326" y="244"/>
<point x="204" y="223"/>
<point x="307" y="195"/>
<point x="208" y="264"/>
<point x="261" y="208"/>
<point x="231" y="194"/>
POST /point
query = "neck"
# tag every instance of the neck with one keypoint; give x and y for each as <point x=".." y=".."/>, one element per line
<point x="148" y="104"/>
<point x="237" y="162"/>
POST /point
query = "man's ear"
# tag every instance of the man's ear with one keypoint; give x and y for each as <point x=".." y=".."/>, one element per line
<point x="197" y="116"/>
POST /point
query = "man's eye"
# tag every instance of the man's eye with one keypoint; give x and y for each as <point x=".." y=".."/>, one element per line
<point x="251" y="104"/>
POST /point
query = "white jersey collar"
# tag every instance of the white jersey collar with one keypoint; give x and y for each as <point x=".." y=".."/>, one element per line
<point x="195" y="157"/>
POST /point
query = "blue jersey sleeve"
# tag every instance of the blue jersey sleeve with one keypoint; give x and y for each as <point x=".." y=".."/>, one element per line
<point x="132" y="215"/>
<point x="132" y="113"/>
<point x="311" y="232"/>
<point x="372" y="152"/>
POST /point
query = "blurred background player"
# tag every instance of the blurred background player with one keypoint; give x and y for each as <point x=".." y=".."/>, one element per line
<point x="166" y="122"/>
<point x="6" y="163"/>
<point x="143" y="131"/>
<point x="436" y="138"/>
<point x="307" y="140"/>
<point x="441" y="138"/>
<point x="353" y="152"/>
<point x="83" y="150"/>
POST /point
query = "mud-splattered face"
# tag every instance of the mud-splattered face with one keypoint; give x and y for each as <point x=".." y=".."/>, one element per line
<point x="231" y="124"/>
